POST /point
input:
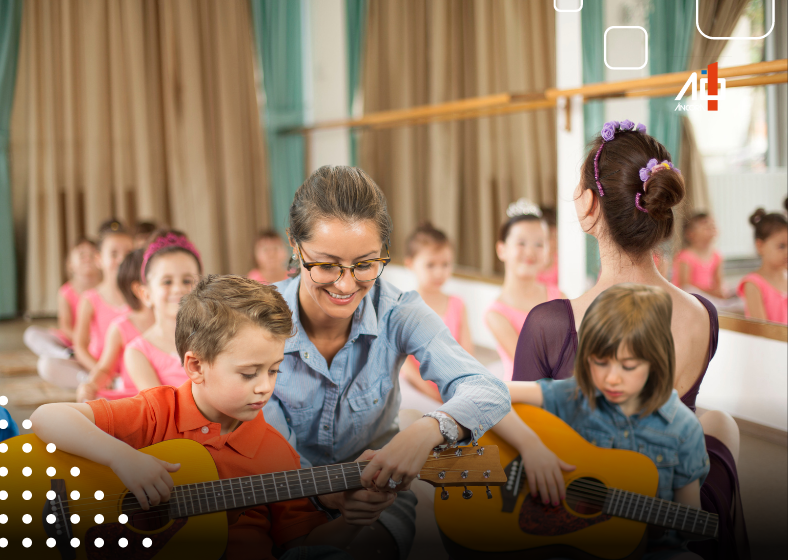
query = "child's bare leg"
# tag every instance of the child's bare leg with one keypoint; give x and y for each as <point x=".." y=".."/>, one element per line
<point x="63" y="373"/>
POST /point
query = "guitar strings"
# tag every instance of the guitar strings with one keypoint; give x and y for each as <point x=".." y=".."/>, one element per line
<point x="270" y="486"/>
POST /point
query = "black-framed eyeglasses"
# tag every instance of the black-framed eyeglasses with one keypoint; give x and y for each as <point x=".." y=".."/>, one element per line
<point x="330" y="273"/>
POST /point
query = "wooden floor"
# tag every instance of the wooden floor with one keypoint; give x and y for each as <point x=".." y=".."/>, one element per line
<point x="763" y="465"/>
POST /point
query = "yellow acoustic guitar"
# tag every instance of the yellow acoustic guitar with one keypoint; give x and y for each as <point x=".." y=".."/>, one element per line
<point x="57" y="505"/>
<point x="609" y="500"/>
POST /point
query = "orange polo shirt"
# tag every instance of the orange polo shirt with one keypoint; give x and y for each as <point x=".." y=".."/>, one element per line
<point x="164" y="413"/>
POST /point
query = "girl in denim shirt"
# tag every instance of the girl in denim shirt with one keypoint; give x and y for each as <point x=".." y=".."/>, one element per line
<point x="622" y="397"/>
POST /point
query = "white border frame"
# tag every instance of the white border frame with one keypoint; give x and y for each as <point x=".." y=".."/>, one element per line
<point x="604" y="42"/>
<point x="568" y="11"/>
<point x="697" y="26"/>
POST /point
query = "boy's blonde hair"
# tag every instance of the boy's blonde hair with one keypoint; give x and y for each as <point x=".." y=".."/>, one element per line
<point x="638" y="317"/>
<point x="211" y="315"/>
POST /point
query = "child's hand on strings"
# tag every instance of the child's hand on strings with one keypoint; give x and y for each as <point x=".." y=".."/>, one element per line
<point x="147" y="477"/>
<point x="544" y="471"/>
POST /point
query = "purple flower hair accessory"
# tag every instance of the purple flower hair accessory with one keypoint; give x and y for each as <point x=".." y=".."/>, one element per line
<point x="627" y="124"/>
<point x="641" y="128"/>
<point x="608" y="131"/>
<point x="637" y="203"/>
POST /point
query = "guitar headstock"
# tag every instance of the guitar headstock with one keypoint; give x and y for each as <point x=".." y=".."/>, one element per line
<point x="464" y="466"/>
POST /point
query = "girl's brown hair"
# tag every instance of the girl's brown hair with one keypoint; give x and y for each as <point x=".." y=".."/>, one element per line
<point x="128" y="274"/>
<point x="337" y="192"/>
<point x="425" y="235"/>
<point x="110" y="227"/>
<point x="620" y="161"/>
<point x="638" y="317"/>
<point x="766" y="225"/>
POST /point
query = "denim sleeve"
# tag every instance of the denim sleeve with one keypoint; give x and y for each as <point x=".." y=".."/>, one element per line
<point x="693" y="459"/>
<point x="275" y="417"/>
<point x="471" y="395"/>
<point x="558" y="397"/>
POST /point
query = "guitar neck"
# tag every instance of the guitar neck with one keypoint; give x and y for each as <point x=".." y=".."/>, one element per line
<point x="249" y="491"/>
<point x="659" y="512"/>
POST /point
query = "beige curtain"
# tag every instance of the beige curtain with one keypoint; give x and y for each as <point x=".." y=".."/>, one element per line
<point x="140" y="109"/>
<point x="717" y="18"/>
<point x="460" y="175"/>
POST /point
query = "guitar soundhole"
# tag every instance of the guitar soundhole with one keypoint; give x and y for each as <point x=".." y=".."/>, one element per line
<point x="586" y="496"/>
<point x="151" y="520"/>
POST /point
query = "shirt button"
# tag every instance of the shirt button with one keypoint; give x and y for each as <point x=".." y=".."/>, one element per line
<point x="659" y="458"/>
<point x="480" y="427"/>
<point x="205" y="429"/>
<point x="306" y="355"/>
<point x="325" y="426"/>
<point x="626" y="433"/>
<point x="375" y="401"/>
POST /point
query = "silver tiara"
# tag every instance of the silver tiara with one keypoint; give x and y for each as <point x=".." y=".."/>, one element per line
<point x="523" y="207"/>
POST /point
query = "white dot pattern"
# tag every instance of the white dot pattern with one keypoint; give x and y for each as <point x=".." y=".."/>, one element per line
<point x="26" y="543"/>
<point x="51" y="447"/>
<point x="27" y="494"/>
<point x="3" y="543"/>
<point x="27" y="424"/>
<point x="3" y="471"/>
<point x="27" y="518"/>
<point x="3" y="519"/>
<point x="75" y="542"/>
<point x="75" y="519"/>
<point x="27" y="448"/>
<point x="3" y="400"/>
<point x="51" y="471"/>
<point x="123" y="519"/>
<point x="147" y="542"/>
<point x="123" y="543"/>
<point x="51" y="542"/>
<point x="3" y="447"/>
<point x="27" y="471"/>
<point x="99" y="495"/>
<point x="51" y="495"/>
<point x="99" y="519"/>
<point x="74" y="471"/>
<point x="99" y="543"/>
<point x="75" y="494"/>
<point x="3" y="495"/>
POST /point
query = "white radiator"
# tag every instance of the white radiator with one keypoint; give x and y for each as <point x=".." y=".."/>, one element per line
<point x="734" y="197"/>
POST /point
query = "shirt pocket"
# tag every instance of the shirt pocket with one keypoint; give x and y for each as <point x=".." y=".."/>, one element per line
<point x="597" y="437"/>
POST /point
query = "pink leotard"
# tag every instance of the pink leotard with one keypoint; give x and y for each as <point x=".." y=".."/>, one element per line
<point x="549" y="276"/>
<point x="702" y="273"/>
<point x="103" y="314"/>
<point x="128" y="332"/>
<point x="167" y="366"/>
<point x="71" y="296"/>
<point x="775" y="302"/>
<point x="516" y="318"/>
<point x="254" y="274"/>
<point x="452" y="318"/>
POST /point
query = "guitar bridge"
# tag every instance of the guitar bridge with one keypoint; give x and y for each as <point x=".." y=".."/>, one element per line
<point x="514" y="480"/>
<point x="61" y="529"/>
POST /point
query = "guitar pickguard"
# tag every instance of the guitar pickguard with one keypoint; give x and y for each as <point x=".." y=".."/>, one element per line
<point x="111" y="533"/>
<point x="545" y="520"/>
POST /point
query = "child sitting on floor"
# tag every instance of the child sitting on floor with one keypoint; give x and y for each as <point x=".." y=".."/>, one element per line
<point x="624" y="374"/>
<point x="83" y="274"/>
<point x="121" y="331"/>
<point x="231" y="335"/>
<point x="699" y="265"/>
<point x="270" y="257"/>
<point x="430" y="256"/>
<point x="523" y="246"/>
<point x="765" y="291"/>
<point x="170" y="268"/>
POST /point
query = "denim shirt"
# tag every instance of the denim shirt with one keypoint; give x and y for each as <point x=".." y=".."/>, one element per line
<point x="671" y="436"/>
<point x="332" y="414"/>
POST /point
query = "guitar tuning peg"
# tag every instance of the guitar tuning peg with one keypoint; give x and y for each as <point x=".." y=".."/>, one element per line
<point x="486" y="474"/>
<point x="467" y="494"/>
<point x="445" y="494"/>
<point x="458" y="453"/>
<point x="480" y="451"/>
<point x="489" y="493"/>
<point x="436" y="454"/>
<point x="475" y="443"/>
<point x="464" y="474"/>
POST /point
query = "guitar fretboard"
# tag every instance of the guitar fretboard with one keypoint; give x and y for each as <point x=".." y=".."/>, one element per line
<point x="660" y="512"/>
<point x="249" y="491"/>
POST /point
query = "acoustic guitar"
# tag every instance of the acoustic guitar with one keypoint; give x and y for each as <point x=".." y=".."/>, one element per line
<point x="60" y="506"/>
<point x="609" y="501"/>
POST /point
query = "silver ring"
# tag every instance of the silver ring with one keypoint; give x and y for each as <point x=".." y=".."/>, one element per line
<point x="393" y="483"/>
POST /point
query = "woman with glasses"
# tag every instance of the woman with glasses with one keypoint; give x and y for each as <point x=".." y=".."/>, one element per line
<point x="339" y="395"/>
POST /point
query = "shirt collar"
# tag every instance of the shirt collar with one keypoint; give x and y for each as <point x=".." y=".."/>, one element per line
<point x="246" y="439"/>
<point x="365" y="318"/>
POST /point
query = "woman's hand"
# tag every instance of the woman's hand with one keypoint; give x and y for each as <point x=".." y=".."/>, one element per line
<point x="147" y="477"/>
<point x="87" y="391"/>
<point x="359" y="507"/>
<point x="544" y="471"/>
<point x="403" y="457"/>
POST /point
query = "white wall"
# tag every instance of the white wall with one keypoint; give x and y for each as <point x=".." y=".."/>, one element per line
<point x="328" y="95"/>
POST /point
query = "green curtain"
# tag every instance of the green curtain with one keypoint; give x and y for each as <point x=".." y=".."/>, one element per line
<point x="356" y="17"/>
<point x="10" y="24"/>
<point x="671" y="29"/>
<point x="592" y="29"/>
<point x="277" y="30"/>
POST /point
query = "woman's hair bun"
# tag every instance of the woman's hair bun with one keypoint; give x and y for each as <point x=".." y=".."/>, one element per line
<point x="664" y="190"/>
<point x="757" y="216"/>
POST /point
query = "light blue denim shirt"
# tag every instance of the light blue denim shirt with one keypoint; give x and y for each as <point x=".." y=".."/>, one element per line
<point x="332" y="414"/>
<point x="671" y="436"/>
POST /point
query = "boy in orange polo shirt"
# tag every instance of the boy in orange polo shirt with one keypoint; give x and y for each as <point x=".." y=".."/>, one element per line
<point x="230" y="335"/>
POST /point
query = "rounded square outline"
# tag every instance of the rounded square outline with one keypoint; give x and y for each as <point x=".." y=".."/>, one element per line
<point x="567" y="11"/>
<point x="697" y="26"/>
<point x="604" y="45"/>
